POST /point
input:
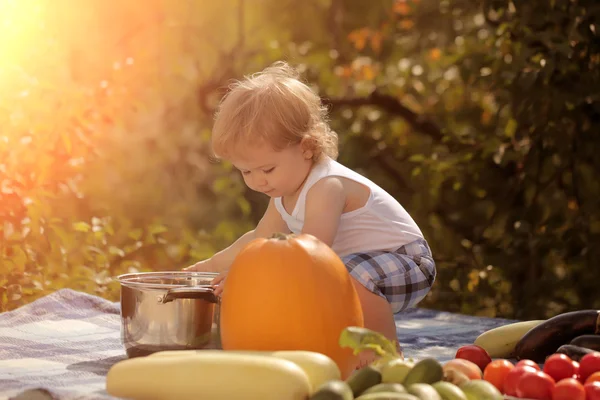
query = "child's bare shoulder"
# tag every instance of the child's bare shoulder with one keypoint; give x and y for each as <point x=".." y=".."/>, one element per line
<point x="354" y="194"/>
<point x="327" y="186"/>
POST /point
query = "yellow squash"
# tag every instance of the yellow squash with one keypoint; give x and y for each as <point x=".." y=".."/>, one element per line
<point x="211" y="375"/>
<point x="500" y="342"/>
<point x="318" y="367"/>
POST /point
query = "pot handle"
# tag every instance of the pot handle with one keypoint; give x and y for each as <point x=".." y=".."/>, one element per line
<point x="189" y="292"/>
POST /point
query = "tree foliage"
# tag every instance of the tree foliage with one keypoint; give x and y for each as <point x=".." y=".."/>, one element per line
<point x="478" y="116"/>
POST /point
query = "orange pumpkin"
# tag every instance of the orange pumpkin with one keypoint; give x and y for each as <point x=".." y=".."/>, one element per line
<point x="289" y="292"/>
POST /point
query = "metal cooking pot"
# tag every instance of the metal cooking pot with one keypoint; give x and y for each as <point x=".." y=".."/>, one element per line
<point x="173" y="310"/>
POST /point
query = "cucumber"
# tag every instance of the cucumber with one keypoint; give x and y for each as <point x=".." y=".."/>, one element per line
<point x="333" y="390"/>
<point x="481" y="390"/>
<point x="387" y="396"/>
<point x="395" y="370"/>
<point x="428" y="370"/>
<point x="386" y="388"/>
<point x="363" y="379"/>
<point x="449" y="391"/>
<point x="424" y="391"/>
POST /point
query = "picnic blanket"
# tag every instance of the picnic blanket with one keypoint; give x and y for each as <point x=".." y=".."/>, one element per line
<point x="62" y="345"/>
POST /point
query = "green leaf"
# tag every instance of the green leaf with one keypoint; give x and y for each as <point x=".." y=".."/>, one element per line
<point x="221" y="184"/>
<point x="115" y="251"/>
<point x="155" y="229"/>
<point x="417" y="158"/>
<point x="81" y="226"/>
<point x="361" y="339"/>
<point x="136" y="233"/>
<point x="108" y="228"/>
<point x="511" y="128"/>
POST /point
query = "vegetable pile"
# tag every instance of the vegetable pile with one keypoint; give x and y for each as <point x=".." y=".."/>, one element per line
<point x="297" y="375"/>
<point x="566" y="346"/>
<point x="502" y="363"/>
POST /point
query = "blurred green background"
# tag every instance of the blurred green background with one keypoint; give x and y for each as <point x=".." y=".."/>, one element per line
<point x="480" y="117"/>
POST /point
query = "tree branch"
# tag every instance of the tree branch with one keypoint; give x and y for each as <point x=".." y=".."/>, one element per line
<point x="393" y="106"/>
<point x="207" y="89"/>
<point x="383" y="161"/>
<point x="419" y="122"/>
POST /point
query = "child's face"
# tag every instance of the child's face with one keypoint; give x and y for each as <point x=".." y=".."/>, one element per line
<point x="274" y="173"/>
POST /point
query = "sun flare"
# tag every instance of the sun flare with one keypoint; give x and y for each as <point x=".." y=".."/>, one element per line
<point x="21" y="23"/>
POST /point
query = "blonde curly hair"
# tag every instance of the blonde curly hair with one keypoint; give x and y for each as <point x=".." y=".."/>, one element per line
<point x="273" y="107"/>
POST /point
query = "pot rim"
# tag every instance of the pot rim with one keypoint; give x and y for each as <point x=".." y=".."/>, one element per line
<point x="139" y="279"/>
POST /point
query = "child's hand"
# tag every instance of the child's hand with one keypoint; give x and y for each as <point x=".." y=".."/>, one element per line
<point x="201" y="266"/>
<point x="218" y="282"/>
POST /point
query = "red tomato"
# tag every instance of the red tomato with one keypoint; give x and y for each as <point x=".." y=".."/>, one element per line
<point x="475" y="354"/>
<point x="513" y="376"/>
<point x="535" y="385"/>
<point x="559" y="366"/>
<point x="589" y="364"/>
<point x="592" y="391"/>
<point x="496" y="371"/>
<point x="595" y="377"/>
<point x="576" y="375"/>
<point x="568" y="389"/>
<point x="529" y="363"/>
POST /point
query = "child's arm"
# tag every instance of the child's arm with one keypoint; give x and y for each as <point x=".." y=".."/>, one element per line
<point x="270" y="223"/>
<point x="325" y="204"/>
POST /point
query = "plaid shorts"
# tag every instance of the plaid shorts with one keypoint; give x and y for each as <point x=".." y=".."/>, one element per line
<point x="403" y="277"/>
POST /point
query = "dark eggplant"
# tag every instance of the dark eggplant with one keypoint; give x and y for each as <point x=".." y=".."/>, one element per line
<point x="543" y="340"/>
<point x="576" y="353"/>
<point x="588" y="341"/>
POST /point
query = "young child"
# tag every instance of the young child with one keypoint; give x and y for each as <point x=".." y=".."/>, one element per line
<point x="272" y="127"/>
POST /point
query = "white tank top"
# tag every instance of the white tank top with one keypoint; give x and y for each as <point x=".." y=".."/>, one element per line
<point x="381" y="224"/>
